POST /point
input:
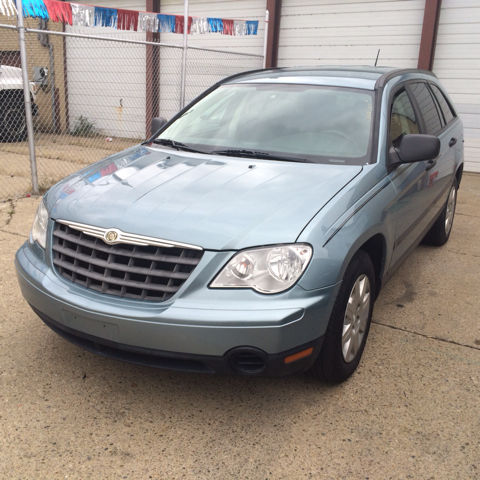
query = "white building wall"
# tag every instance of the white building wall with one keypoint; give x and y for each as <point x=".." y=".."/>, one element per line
<point x="457" y="65"/>
<point x="107" y="82"/>
<point x="323" y="32"/>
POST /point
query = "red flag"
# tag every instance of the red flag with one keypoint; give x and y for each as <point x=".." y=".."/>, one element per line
<point x="228" y="28"/>
<point x="179" y="21"/>
<point x="127" y="20"/>
<point x="59" y="11"/>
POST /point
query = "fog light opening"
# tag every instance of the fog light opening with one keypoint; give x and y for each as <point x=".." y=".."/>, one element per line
<point x="247" y="362"/>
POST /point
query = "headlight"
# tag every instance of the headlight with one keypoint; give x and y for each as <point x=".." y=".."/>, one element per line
<point x="266" y="270"/>
<point x="39" y="228"/>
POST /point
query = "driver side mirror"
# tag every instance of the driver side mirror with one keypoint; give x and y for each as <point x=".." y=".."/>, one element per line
<point x="157" y="124"/>
<point x="414" y="148"/>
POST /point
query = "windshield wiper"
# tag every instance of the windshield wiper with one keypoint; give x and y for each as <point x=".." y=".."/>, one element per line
<point x="179" y="146"/>
<point x="260" y="155"/>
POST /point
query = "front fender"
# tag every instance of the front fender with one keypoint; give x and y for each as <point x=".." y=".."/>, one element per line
<point x="373" y="214"/>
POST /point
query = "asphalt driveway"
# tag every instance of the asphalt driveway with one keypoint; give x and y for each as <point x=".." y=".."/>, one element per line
<point x="411" y="410"/>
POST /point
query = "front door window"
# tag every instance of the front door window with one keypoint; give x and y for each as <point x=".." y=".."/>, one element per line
<point x="402" y="119"/>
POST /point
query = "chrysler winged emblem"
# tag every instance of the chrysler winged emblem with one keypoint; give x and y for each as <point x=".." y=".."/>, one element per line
<point x="111" y="236"/>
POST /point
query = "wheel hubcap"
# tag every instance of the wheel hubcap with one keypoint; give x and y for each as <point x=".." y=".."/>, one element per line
<point x="452" y="198"/>
<point x="356" y="318"/>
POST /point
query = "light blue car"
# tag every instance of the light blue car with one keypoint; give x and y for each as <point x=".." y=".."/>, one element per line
<point x="253" y="232"/>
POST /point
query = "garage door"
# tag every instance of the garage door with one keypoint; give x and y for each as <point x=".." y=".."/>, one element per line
<point x="457" y="64"/>
<point x="322" y="32"/>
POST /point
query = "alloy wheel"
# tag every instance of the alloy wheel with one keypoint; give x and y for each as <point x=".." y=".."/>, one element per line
<point x="356" y="318"/>
<point x="452" y="199"/>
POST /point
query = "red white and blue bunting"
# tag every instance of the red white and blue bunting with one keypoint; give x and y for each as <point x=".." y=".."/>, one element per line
<point x="90" y="16"/>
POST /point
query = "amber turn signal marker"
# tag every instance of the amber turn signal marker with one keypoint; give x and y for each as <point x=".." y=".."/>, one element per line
<point x="299" y="355"/>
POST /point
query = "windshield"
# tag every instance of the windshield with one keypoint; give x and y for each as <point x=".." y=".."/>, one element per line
<point x="320" y="124"/>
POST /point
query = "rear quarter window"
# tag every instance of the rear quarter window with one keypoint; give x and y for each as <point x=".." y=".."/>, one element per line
<point x="447" y="112"/>
<point x="431" y="116"/>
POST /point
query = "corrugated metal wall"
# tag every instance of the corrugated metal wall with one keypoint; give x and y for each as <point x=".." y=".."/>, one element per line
<point x="322" y="32"/>
<point x="457" y="64"/>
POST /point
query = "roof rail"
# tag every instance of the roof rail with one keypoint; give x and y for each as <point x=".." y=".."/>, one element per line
<point x="249" y="72"/>
<point x="381" y="81"/>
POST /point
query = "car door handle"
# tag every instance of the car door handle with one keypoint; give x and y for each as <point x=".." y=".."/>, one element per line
<point x="452" y="142"/>
<point x="430" y="164"/>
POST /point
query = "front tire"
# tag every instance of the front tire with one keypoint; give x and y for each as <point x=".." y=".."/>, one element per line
<point x="439" y="234"/>
<point x="349" y="324"/>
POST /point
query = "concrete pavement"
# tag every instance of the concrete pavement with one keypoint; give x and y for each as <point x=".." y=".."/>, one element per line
<point x="411" y="410"/>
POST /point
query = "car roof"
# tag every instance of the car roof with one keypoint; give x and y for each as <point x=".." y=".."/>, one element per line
<point x="355" y="76"/>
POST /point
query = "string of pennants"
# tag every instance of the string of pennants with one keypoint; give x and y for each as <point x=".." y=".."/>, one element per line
<point x="79" y="15"/>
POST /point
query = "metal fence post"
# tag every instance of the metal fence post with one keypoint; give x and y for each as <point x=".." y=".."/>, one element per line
<point x="26" y="96"/>
<point x="184" y="55"/>
<point x="265" y="40"/>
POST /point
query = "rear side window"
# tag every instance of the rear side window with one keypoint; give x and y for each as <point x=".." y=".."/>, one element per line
<point x="447" y="112"/>
<point x="402" y="118"/>
<point x="428" y="107"/>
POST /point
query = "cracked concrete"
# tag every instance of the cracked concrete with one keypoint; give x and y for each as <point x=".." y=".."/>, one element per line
<point x="410" y="411"/>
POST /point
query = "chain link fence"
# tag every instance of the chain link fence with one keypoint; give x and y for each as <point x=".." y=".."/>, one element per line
<point x="91" y="96"/>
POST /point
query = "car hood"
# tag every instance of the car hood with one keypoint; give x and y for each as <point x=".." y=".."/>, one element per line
<point x="218" y="203"/>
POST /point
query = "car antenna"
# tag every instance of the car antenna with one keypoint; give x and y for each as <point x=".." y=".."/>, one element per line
<point x="377" y="58"/>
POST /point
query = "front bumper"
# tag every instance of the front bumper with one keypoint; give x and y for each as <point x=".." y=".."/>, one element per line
<point x="196" y="330"/>
<point x="246" y="361"/>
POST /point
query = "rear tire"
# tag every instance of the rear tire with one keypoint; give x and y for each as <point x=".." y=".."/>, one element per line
<point x="349" y="324"/>
<point x="439" y="234"/>
<point x="13" y="124"/>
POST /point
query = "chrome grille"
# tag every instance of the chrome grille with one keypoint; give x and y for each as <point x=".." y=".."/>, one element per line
<point x="131" y="271"/>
